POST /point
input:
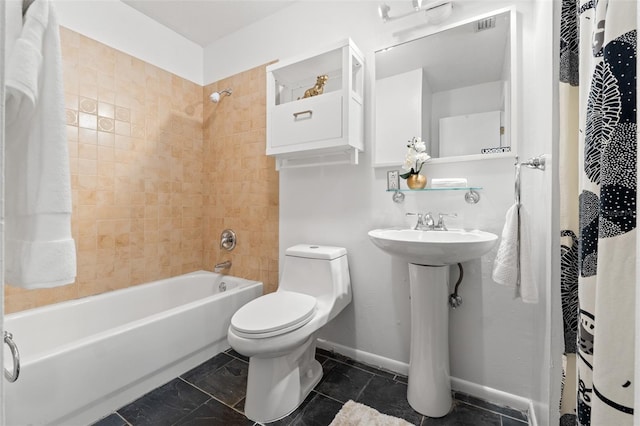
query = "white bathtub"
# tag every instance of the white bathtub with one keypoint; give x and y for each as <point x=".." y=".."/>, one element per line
<point x="85" y="358"/>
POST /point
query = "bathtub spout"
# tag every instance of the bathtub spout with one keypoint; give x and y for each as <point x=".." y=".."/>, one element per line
<point x="220" y="266"/>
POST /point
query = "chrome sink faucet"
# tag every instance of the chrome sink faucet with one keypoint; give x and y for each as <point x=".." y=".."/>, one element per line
<point x="425" y="221"/>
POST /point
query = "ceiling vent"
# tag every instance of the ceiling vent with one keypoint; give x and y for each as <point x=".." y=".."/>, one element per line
<point x="485" y="24"/>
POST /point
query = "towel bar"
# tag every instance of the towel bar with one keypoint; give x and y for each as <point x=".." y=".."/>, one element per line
<point x="12" y="376"/>
<point x="537" y="163"/>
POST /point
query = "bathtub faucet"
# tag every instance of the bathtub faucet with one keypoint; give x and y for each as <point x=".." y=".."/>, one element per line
<point x="223" y="265"/>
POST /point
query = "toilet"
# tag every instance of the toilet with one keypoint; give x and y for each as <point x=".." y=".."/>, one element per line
<point x="278" y="331"/>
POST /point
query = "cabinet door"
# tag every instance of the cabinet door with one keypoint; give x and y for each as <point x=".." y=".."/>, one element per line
<point x="305" y="121"/>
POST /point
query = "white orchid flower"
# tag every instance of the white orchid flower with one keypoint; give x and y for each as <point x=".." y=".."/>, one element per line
<point x="416" y="157"/>
<point x="420" y="146"/>
<point x="422" y="157"/>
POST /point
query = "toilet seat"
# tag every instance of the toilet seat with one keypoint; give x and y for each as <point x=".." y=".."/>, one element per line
<point x="273" y="314"/>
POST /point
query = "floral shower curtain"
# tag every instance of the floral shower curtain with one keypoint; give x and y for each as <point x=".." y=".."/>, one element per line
<point x="569" y="194"/>
<point x="598" y="146"/>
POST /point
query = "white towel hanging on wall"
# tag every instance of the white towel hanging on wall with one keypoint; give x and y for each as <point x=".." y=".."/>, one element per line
<point x="513" y="263"/>
<point x="512" y="266"/>
<point x="528" y="288"/>
<point x="40" y="251"/>
<point x="505" y="266"/>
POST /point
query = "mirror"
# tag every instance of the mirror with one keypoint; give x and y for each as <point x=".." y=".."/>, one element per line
<point x="453" y="88"/>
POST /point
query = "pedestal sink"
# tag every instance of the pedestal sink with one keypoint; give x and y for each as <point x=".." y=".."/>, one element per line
<point x="429" y="254"/>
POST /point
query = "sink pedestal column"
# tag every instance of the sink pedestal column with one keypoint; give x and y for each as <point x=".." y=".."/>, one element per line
<point x="429" y="390"/>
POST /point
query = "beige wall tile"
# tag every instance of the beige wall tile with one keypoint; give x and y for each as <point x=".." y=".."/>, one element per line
<point x="158" y="171"/>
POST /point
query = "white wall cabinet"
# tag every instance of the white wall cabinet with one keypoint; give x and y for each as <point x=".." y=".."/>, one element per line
<point x="322" y="129"/>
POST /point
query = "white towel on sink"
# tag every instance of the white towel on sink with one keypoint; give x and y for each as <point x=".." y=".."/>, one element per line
<point x="506" y="268"/>
<point x="40" y="251"/>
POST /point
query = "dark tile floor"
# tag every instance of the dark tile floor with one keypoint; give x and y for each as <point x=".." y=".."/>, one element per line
<point x="213" y="394"/>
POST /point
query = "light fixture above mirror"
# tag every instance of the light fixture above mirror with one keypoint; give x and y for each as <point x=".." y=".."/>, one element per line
<point x="436" y="11"/>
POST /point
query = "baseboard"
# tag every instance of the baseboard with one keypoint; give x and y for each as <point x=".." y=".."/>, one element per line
<point x="479" y="391"/>
<point x="490" y="394"/>
<point x="366" y="357"/>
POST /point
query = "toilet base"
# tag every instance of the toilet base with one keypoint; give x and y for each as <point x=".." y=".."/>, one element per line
<point x="277" y="386"/>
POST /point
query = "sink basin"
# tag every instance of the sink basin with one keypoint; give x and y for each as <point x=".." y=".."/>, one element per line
<point x="434" y="247"/>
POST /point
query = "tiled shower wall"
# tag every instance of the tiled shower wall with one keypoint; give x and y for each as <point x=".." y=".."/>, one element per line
<point x="241" y="190"/>
<point x="152" y="187"/>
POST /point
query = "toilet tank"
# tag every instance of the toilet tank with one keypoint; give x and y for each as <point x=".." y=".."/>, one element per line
<point x="317" y="271"/>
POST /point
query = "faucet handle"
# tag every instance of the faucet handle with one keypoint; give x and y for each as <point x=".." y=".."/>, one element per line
<point x="228" y="239"/>
<point x="420" y="221"/>
<point x="441" y="216"/>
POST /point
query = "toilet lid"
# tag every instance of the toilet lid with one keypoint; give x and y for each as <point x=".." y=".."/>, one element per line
<point x="274" y="314"/>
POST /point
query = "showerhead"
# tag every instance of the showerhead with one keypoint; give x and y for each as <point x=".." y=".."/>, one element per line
<point x="216" y="96"/>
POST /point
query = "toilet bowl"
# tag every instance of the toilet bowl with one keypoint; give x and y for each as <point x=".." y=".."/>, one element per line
<point x="278" y="331"/>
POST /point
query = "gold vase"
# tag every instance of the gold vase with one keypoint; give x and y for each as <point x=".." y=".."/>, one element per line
<point x="416" y="181"/>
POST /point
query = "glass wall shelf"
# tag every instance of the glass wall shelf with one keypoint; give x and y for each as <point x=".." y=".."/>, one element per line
<point x="471" y="196"/>
<point x="465" y="188"/>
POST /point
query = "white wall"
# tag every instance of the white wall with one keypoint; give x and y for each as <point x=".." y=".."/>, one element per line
<point x="539" y="84"/>
<point x="122" y="27"/>
<point x="495" y="340"/>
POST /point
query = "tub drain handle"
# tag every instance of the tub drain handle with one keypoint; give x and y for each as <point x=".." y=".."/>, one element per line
<point x="12" y="376"/>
